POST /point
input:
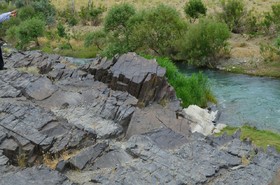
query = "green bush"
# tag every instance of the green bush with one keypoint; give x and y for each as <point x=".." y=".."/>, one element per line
<point x="193" y="90"/>
<point x="203" y="42"/>
<point x="68" y="16"/>
<point x="45" y="10"/>
<point x="157" y="30"/>
<point x="91" y="14"/>
<point x="61" y="30"/>
<point x="233" y="14"/>
<point x="195" y="8"/>
<point x="30" y="30"/>
<point x="116" y="28"/>
<point x="97" y="38"/>
<point x="272" y="19"/>
<point x="26" y="12"/>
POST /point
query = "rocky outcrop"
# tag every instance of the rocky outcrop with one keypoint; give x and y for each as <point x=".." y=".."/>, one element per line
<point x="142" y="78"/>
<point x="111" y="122"/>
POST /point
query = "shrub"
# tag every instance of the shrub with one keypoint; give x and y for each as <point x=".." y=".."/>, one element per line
<point x="45" y="10"/>
<point x="116" y="27"/>
<point x="26" y="12"/>
<point x="156" y="29"/>
<point x="233" y="14"/>
<point x="202" y="43"/>
<point x="193" y="90"/>
<point x="195" y="8"/>
<point x="30" y="30"/>
<point x="272" y="19"/>
<point x="69" y="16"/>
<point x="91" y="14"/>
<point x="97" y="38"/>
<point x="61" y="30"/>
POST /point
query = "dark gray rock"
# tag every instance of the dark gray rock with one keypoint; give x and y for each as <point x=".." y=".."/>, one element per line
<point x="155" y="117"/>
<point x="35" y="175"/>
<point x="140" y="77"/>
<point x="32" y="130"/>
<point x="88" y="154"/>
<point x="3" y="159"/>
<point x="40" y="89"/>
<point x="166" y="138"/>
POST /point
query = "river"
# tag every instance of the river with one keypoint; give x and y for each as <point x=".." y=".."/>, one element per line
<point x="244" y="99"/>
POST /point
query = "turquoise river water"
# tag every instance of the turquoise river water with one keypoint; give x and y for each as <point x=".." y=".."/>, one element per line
<point x="245" y="99"/>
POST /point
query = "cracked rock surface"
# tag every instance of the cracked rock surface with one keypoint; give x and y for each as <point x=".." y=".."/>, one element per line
<point x="104" y="123"/>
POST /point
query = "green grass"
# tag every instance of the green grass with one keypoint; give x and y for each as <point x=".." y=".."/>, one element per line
<point x="76" y="52"/>
<point x="261" y="138"/>
<point x="193" y="90"/>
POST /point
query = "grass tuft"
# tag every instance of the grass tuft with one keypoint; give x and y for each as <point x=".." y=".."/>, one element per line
<point x="193" y="90"/>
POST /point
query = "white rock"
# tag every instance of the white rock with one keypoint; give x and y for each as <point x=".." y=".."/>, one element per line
<point x="202" y="121"/>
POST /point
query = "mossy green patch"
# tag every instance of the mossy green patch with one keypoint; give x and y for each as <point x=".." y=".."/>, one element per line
<point x="261" y="138"/>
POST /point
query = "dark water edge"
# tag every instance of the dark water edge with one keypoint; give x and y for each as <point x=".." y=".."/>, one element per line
<point x="244" y="99"/>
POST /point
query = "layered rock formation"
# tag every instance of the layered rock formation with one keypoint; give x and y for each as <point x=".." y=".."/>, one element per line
<point x="111" y="121"/>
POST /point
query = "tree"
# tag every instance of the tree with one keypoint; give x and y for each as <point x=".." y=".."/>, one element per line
<point x="195" y="8"/>
<point x="157" y="29"/>
<point x="116" y="26"/>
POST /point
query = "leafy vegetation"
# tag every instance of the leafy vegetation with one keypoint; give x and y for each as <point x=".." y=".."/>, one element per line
<point x="261" y="138"/>
<point x="195" y="8"/>
<point x="193" y="90"/>
<point x="233" y="14"/>
<point x="203" y="42"/>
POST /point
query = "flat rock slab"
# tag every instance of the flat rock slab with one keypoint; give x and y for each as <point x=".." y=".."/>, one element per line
<point x="35" y="175"/>
<point x="155" y="117"/>
<point x="40" y="89"/>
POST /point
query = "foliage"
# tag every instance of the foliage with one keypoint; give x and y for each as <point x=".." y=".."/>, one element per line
<point x="26" y="12"/>
<point x="195" y="8"/>
<point x="272" y="19"/>
<point x="233" y="14"/>
<point x="193" y="90"/>
<point x="45" y="10"/>
<point x="261" y="138"/>
<point x="91" y="14"/>
<point x="156" y="29"/>
<point x="61" y="30"/>
<point x="69" y="16"/>
<point x="97" y="38"/>
<point x="30" y="30"/>
<point x="117" y="18"/>
<point x="203" y="42"/>
<point x="116" y="27"/>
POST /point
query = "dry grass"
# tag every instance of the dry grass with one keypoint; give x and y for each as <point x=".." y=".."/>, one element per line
<point x="52" y="161"/>
<point x="258" y="5"/>
<point x="31" y="70"/>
